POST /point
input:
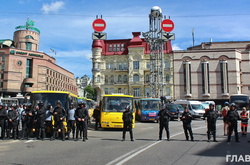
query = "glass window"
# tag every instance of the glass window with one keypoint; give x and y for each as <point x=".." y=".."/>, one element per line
<point x="136" y="77"/>
<point x="125" y="78"/>
<point x="29" y="68"/>
<point x="106" y="79"/>
<point x="136" y="65"/>
<point x="112" y="79"/>
<point x="106" y="91"/>
<point x="166" y="64"/>
<point x="125" y="67"/>
<point x="111" y="66"/>
<point x="111" y="90"/>
<point x="3" y="67"/>
<point x="167" y="78"/>
<point x="3" y="58"/>
<point x="119" y="78"/>
<point x="148" y="65"/>
<point x="147" y="78"/>
<point x="119" y="66"/>
<point x="98" y="78"/>
<point x="28" y="36"/>
<point x="28" y="45"/>
<point x="110" y="48"/>
<point x="107" y="65"/>
<point x="122" y="47"/>
<point x="119" y="90"/>
<point x="136" y="92"/>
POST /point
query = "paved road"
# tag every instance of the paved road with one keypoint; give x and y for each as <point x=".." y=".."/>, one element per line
<point x="105" y="147"/>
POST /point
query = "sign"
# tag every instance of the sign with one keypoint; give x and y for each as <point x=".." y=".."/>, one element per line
<point x="167" y="25"/>
<point x="168" y="36"/>
<point x="99" y="36"/>
<point x="99" y="25"/>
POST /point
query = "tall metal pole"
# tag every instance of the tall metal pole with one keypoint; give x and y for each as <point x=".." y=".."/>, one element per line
<point x="153" y="37"/>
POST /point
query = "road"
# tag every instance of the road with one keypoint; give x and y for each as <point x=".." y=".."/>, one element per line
<point x="105" y="147"/>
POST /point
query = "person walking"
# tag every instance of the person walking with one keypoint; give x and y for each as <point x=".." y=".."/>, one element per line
<point x="96" y="115"/>
<point x="127" y="118"/>
<point x="211" y="116"/>
<point x="187" y="119"/>
<point x="164" y="118"/>
<point x="224" y="115"/>
<point x="244" y="121"/>
<point x="233" y="116"/>
<point x="81" y="117"/>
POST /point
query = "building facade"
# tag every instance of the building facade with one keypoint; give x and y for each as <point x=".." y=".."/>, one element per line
<point x="81" y="83"/>
<point x="123" y="66"/>
<point x="25" y="69"/>
<point x="212" y="71"/>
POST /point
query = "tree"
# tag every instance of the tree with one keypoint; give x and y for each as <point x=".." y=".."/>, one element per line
<point x="91" y="93"/>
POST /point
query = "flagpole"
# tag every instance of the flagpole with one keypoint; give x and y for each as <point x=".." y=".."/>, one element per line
<point x="193" y="36"/>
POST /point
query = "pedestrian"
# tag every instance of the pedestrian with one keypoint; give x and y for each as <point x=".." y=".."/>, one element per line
<point x="187" y="119"/>
<point x="233" y="118"/>
<point x="244" y="121"/>
<point x="225" y="120"/>
<point x="59" y="116"/>
<point x="96" y="116"/>
<point x="164" y="118"/>
<point x="48" y="121"/>
<point x="40" y="124"/>
<point x="12" y="121"/>
<point x="3" y="115"/>
<point x="127" y="118"/>
<point x="71" y="121"/>
<point x="211" y="116"/>
<point x="81" y="117"/>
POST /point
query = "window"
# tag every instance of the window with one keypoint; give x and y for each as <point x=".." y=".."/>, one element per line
<point x="148" y="65"/>
<point x="111" y="66"/>
<point x="168" y="91"/>
<point x="106" y="79"/>
<point x="125" y="79"/>
<point x="167" y="78"/>
<point x="147" y="78"/>
<point x="205" y="77"/>
<point x="116" y="47"/>
<point x="3" y="66"/>
<point x="28" y="45"/>
<point x="107" y="65"/>
<point x="125" y="67"/>
<point x="187" y="77"/>
<point x="167" y="64"/>
<point x="119" y="66"/>
<point x="136" y="92"/>
<point x="119" y="78"/>
<point x="136" y="78"/>
<point x="136" y="64"/>
<point x="106" y="91"/>
<point x="111" y="90"/>
<point x="28" y="36"/>
<point x="3" y="58"/>
<point x="98" y="78"/>
<point x="112" y="79"/>
<point x="224" y="77"/>
<point x="147" y="92"/>
<point x="119" y="90"/>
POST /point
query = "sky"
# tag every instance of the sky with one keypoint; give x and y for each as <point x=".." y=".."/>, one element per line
<point x="66" y="25"/>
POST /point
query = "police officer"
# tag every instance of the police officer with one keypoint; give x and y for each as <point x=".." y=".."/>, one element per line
<point x="25" y="121"/>
<point x="40" y="127"/>
<point x="164" y="118"/>
<point x="211" y="116"/>
<point x="81" y="117"/>
<point x="3" y="115"/>
<point x="96" y="115"/>
<point x="71" y="121"/>
<point x="233" y="116"/>
<point x="12" y="121"/>
<point x="59" y="116"/>
<point x="187" y="119"/>
<point x="48" y="120"/>
<point x="127" y="118"/>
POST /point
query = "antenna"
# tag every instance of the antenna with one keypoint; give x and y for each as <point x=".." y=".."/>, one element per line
<point x="193" y="36"/>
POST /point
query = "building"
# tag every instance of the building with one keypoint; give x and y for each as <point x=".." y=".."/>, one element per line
<point x="81" y="83"/>
<point x="25" y="69"/>
<point x="122" y="66"/>
<point x="212" y="71"/>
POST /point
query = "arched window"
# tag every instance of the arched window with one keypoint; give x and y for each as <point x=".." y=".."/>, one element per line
<point x="136" y="77"/>
<point x="98" y="78"/>
<point x="106" y="79"/>
<point x="119" y="78"/>
<point x="125" y="79"/>
<point x="112" y="79"/>
<point x="28" y="36"/>
<point x="167" y="78"/>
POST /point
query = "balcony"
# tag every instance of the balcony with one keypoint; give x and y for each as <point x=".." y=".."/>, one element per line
<point x="29" y="81"/>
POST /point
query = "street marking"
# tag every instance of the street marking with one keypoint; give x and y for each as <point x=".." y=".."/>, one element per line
<point x="29" y="141"/>
<point x="124" y="158"/>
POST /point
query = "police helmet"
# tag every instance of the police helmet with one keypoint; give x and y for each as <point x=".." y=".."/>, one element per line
<point x="48" y="105"/>
<point x="232" y="105"/>
<point x="40" y="103"/>
<point x="14" y="105"/>
<point x="81" y="103"/>
<point x="1" y="104"/>
<point x="29" y="104"/>
<point x="226" y="103"/>
<point x="211" y="104"/>
<point x="58" y="102"/>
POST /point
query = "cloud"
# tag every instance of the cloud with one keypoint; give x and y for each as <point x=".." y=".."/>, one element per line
<point x="175" y="47"/>
<point x="54" y="7"/>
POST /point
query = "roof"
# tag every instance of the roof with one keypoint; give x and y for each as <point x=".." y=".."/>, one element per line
<point x="6" y="42"/>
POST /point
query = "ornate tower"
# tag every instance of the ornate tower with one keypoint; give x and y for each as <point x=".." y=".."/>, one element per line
<point x="27" y="37"/>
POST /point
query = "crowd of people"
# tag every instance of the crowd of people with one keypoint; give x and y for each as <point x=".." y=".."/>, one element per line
<point x="42" y="121"/>
<point x="230" y="119"/>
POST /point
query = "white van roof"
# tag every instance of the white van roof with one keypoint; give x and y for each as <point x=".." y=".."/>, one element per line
<point x="187" y="102"/>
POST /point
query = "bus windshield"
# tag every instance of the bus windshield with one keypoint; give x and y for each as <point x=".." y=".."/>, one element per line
<point x="116" y="104"/>
<point x="240" y="101"/>
<point x="51" y="98"/>
<point x="150" y="105"/>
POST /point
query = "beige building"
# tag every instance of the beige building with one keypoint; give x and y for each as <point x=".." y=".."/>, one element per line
<point x="212" y="71"/>
<point x="122" y="66"/>
<point x="25" y="69"/>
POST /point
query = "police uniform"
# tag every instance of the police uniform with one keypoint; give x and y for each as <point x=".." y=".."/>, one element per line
<point x="96" y="116"/>
<point x="211" y="116"/>
<point x="187" y="119"/>
<point x="59" y="115"/>
<point x="164" y="118"/>
<point x="40" y="127"/>
<point x="3" y="115"/>
<point x="127" y="118"/>
<point x="12" y="121"/>
<point x="26" y="117"/>
<point x="81" y="117"/>
<point x="233" y="116"/>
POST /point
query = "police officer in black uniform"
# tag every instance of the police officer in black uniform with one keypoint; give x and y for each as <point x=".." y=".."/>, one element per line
<point x="59" y="116"/>
<point x="164" y="118"/>
<point x="3" y="115"/>
<point x="96" y="115"/>
<point x="81" y="116"/>
<point x="26" y="120"/>
<point x="232" y="117"/>
<point x="12" y="121"/>
<point x="40" y="124"/>
<point x="187" y="119"/>
<point x="127" y="118"/>
<point x="211" y="116"/>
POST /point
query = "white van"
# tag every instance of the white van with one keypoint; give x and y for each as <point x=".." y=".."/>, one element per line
<point x="195" y="107"/>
